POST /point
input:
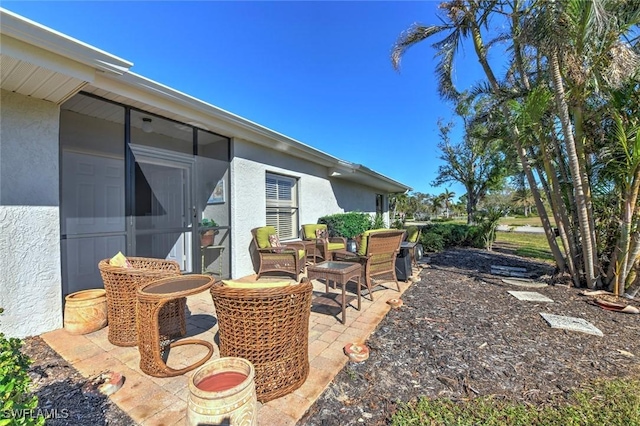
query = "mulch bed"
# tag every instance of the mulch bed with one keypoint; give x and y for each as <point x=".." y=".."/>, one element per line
<point x="60" y="391"/>
<point x="458" y="335"/>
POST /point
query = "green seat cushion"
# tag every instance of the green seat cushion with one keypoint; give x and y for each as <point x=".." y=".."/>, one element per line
<point x="256" y="285"/>
<point x="335" y="246"/>
<point x="262" y="236"/>
<point x="287" y="250"/>
<point x="310" y="230"/>
<point x="412" y="234"/>
<point x="362" y="250"/>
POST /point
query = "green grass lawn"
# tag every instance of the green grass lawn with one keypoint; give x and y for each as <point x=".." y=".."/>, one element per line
<point x="611" y="403"/>
<point x="522" y="221"/>
<point x="509" y="221"/>
<point x="525" y="245"/>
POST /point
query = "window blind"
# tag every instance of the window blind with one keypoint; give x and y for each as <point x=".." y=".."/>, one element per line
<point x="282" y="205"/>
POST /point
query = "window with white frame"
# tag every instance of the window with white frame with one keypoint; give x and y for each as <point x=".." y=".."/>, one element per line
<point x="282" y="205"/>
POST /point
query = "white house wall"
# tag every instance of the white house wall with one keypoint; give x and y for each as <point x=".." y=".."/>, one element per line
<point x="30" y="278"/>
<point x="318" y="195"/>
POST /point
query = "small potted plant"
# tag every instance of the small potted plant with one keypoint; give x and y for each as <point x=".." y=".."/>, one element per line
<point x="207" y="235"/>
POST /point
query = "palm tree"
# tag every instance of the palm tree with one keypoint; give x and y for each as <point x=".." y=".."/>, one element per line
<point x="578" y="43"/>
<point x="447" y="197"/>
<point x="437" y="203"/>
<point x="582" y="42"/>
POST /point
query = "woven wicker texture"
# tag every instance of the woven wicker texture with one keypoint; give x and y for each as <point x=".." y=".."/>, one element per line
<point x="322" y="244"/>
<point x="153" y="341"/>
<point x="121" y="285"/>
<point x="285" y="258"/>
<point x="270" y="328"/>
<point x="380" y="258"/>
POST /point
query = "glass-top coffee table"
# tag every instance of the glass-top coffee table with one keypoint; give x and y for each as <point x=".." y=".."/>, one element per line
<point x="340" y="273"/>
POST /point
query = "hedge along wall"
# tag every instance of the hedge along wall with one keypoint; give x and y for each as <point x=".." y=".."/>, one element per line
<point x="347" y="225"/>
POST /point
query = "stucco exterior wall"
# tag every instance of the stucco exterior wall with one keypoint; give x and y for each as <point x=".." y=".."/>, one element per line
<point x="318" y="195"/>
<point x="30" y="278"/>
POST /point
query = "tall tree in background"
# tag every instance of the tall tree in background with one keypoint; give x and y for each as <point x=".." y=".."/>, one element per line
<point x="477" y="162"/>
<point x="447" y="196"/>
<point x="579" y="52"/>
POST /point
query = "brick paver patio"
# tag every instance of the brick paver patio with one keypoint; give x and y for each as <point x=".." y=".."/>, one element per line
<point x="163" y="401"/>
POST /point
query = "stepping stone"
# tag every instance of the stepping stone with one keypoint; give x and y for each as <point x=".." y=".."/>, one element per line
<point x="509" y="268"/>
<point x="571" y="323"/>
<point x="524" y="282"/>
<point x="509" y="271"/>
<point x="531" y="296"/>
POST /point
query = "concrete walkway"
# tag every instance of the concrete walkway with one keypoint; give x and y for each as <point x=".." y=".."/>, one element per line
<point x="163" y="401"/>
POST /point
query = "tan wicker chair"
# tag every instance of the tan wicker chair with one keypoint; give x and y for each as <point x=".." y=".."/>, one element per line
<point x="324" y="247"/>
<point x="121" y="285"/>
<point x="377" y="254"/>
<point x="288" y="258"/>
<point x="270" y="328"/>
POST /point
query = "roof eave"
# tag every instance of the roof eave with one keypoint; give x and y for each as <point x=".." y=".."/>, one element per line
<point x="31" y="32"/>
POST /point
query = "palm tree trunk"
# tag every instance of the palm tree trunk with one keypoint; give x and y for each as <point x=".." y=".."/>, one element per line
<point x="588" y="245"/>
<point x="578" y="125"/>
<point x="561" y="216"/>
<point x="544" y="218"/>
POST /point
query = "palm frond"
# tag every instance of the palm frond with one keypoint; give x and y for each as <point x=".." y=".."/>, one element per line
<point x="410" y="37"/>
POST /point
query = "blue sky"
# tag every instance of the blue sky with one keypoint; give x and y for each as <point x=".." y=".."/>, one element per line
<point x="318" y="72"/>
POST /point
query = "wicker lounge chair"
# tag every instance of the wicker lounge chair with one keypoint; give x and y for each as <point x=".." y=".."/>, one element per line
<point x="289" y="257"/>
<point x="270" y="328"/>
<point x="121" y="285"/>
<point x="325" y="247"/>
<point x="377" y="254"/>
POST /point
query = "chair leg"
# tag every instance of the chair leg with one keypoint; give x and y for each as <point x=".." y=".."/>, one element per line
<point x="395" y="278"/>
<point x="367" y="281"/>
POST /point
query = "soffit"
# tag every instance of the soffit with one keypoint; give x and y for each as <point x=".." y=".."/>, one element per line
<point x="36" y="81"/>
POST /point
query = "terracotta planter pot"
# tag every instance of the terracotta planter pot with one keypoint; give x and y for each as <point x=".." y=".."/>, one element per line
<point x="85" y="311"/>
<point x="357" y="352"/>
<point x="206" y="239"/>
<point x="223" y="391"/>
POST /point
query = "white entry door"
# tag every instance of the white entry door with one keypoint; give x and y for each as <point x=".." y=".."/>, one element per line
<point x="163" y="205"/>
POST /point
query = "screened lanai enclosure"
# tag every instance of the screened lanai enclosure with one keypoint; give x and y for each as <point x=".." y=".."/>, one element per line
<point x="142" y="184"/>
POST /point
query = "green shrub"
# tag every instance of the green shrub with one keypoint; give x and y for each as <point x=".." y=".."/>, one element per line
<point x="17" y="405"/>
<point x="440" y="236"/>
<point x="458" y="235"/>
<point x="397" y="224"/>
<point x="487" y="223"/>
<point x="431" y="241"/>
<point x="475" y="237"/>
<point x="378" y="222"/>
<point x="347" y="225"/>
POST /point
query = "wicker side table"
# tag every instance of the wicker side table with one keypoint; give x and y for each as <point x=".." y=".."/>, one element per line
<point x="340" y="273"/>
<point x="152" y="343"/>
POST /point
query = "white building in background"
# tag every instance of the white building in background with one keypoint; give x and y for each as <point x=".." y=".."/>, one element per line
<point x="95" y="159"/>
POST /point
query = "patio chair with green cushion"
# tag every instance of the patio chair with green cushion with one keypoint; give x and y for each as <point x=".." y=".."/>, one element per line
<point x="413" y="238"/>
<point x="325" y="247"/>
<point x="274" y="257"/>
<point x="413" y="234"/>
<point x="377" y="254"/>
